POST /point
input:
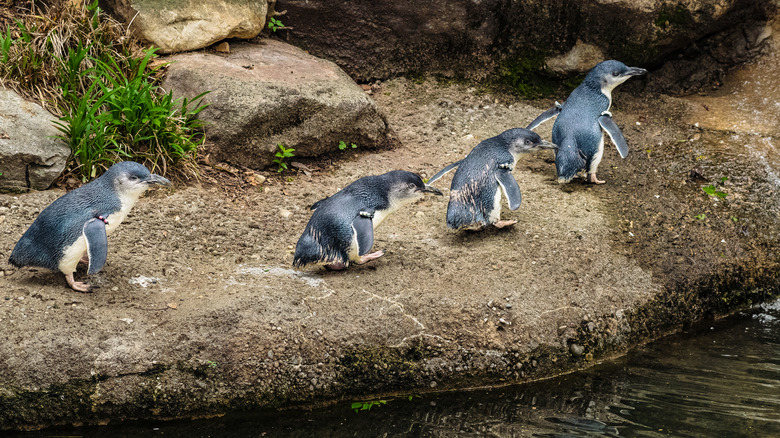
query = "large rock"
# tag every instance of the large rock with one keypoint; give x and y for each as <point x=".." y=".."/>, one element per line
<point x="376" y="39"/>
<point x="30" y="155"/>
<point x="271" y="93"/>
<point x="181" y="25"/>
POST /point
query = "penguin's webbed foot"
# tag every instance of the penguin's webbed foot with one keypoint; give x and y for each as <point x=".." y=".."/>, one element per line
<point x="373" y="256"/>
<point x="595" y="180"/>
<point x="77" y="285"/>
<point x="502" y="224"/>
<point x="337" y="266"/>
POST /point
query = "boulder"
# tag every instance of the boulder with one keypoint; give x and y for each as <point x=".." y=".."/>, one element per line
<point x="377" y="39"/>
<point x="262" y="95"/>
<point x="181" y="25"/>
<point x="31" y="156"/>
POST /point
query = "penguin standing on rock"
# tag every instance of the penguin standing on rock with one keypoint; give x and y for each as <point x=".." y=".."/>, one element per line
<point x="482" y="177"/>
<point x="341" y="230"/>
<point x="75" y="226"/>
<point x="578" y="129"/>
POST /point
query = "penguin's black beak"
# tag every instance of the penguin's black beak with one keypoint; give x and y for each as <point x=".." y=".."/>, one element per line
<point x="430" y="189"/>
<point x="544" y="144"/>
<point x="635" y="71"/>
<point x="155" y="179"/>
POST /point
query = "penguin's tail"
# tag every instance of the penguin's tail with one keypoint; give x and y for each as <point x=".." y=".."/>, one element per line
<point x="308" y="250"/>
<point x="568" y="160"/>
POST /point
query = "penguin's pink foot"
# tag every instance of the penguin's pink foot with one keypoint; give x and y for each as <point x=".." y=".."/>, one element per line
<point x="77" y="285"/>
<point x="368" y="257"/>
<point x="502" y="224"/>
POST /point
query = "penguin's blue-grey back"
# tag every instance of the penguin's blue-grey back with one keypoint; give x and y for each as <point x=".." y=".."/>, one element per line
<point x="576" y="130"/>
<point x="328" y="234"/>
<point x="473" y="188"/>
<point x="62" y="222"/>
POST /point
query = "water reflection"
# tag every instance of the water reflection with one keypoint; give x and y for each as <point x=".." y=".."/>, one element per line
<point x="714" y="381"/>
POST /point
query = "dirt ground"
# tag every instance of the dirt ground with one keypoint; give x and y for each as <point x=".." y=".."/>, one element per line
<point x="199" y="309"/>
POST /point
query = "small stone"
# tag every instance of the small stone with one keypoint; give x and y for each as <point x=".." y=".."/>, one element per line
<point x="115" y="288"/>
<point x="285" y="214"/>
<point x="419" y="214"/>
<point x="259" y="178"/>
<point x="223" y="47"/>
<point x="173" y="306"/>
<point x="576" y="349"/>
<point x="270" y="354"/>
<point x="433" y="384"/>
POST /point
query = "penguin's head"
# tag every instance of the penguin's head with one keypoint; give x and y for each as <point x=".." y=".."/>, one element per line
<point x="610" y="74"/>
<point x="523" y="141"/>
<point x="132" y="179"/>
<point x="407" y="186"/>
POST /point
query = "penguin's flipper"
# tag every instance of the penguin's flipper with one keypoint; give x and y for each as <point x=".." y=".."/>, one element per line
<point x="509" y="186"/>
<point x="615" y="134"/>
<point x="545" y="116"/>
<point x="363" y="225"/>
<point x="317" y="204"/>
<point x="443" y="172"/>
<point x="97" y="244"/>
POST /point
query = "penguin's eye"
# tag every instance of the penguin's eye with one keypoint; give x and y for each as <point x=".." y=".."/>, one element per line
<point x="615" y="73"/>
<point x="527" y="142"/>
<point x="133" y="178"/>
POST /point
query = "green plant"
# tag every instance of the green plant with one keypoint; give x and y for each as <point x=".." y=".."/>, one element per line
<point x="701" y="217"/>
<point x="343" y="145"/>
<point x="281" y="157"/>
<point x="713" y="190"/>
<point x="82" y="66"/>
<point x="211" y="364"/>
<point x="275" y="24"/>
<point x="367" y="405"/>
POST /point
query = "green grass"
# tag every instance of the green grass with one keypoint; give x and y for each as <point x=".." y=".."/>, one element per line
<point x="281" y="157"/>
<point x="83" y="67"/>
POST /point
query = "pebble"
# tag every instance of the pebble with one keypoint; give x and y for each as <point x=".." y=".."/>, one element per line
<point x="419" y="214"/>
<point x="259" y="178"/>
<point x="285" y="214"/>
<point x="576" y="349"/>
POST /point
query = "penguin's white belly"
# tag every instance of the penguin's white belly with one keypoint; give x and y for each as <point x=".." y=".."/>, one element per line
<point x="72" y="254"/>
<point x="354" y="249"/>
<point x="594" y="162"/>
<point x="495" y="214"/>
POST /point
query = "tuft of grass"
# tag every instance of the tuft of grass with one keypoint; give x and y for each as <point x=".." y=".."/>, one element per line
<point x="281" y="157"/>
<point x="86" y="69"/>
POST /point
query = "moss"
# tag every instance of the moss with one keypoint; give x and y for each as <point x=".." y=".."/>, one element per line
<point x="525" y="76"/>
<point x="673" y="17"/>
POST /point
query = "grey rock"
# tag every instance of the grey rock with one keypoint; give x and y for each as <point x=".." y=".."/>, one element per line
<point x="30" y="155"/>
<point x="181" y="25"/>
<point x="271" y="93"/>
<point x="378" y="39"/>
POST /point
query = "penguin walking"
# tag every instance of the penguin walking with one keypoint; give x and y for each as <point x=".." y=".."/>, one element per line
<point x="75" y="226"/>
<point x="341" y="229"/>
<point x="484" y="175"/>
<point x="578" y="129"/>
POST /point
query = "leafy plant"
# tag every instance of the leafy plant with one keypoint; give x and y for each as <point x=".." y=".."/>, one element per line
<point x="281" y="157"/>
<point x="343" y="145"/>
<point x="275" y="24"/>
<point x="82" y="66"/>
<point x="701" y="217"/>
<point x="713" y="190"/>
<point x="367" y="405"/>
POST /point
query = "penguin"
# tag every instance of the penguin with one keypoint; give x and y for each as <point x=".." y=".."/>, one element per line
<point x="482" y="177"/>
<point x="578" y="129"/>
<point x="75" y="227"/>
<point x="341" y="229"/>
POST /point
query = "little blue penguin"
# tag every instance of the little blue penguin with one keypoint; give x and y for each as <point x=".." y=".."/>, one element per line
<point x="341" y="229"/>
<point x="578" y="129"/>
<point x="486" y="173"/>
<point x="75" y="226"/>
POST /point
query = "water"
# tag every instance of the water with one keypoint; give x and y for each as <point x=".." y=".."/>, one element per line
<point x="717" y="380"/>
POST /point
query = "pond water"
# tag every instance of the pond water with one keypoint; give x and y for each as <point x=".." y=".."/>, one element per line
<point x="717" y="380"/>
